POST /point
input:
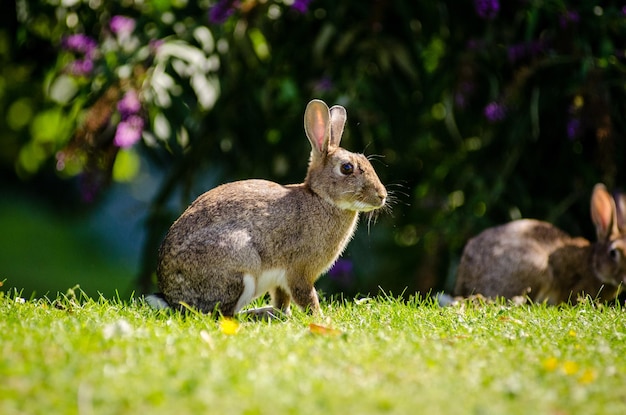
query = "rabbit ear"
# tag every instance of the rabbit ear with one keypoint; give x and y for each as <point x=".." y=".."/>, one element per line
<point x="317" y="125"/>
<point x="603" y="212"/>
<point x="620" y="204"/>
<point x="338" y="118"/>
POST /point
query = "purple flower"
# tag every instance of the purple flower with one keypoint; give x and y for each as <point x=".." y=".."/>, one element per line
<point x="495" y="111"/>
<point x="573" y="128"/>
<point x="122" y="26"/>
<point x="89" y="185"/>
<point x="475" y="44"/>
<point x="84" y="45"/>
<point x="128" y="131"/>
<point x="464" y="90"/>
<point x="460" y="99"/>
<point x="301" y="5"/>
<point x="129" y="104"/>
<point x="81" y="67"/>
<point x="487" y="9"/>
<point x="221" y="11"/>
<point x="520" y="51"/>
<point x="517" y="52"/>
<point x="155" y="44"/>
<point x="324" y="84"/>
<point x="569" y="17"/>
<point x="342" y="272"/>
<point x="79" y="43"/>
<point x="538" y="46"/>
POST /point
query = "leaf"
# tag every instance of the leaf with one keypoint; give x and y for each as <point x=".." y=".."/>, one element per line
<point x="49" y="126"/>
<point x="127" y="165"/>
<point x="259" y="44"/>
<point x="324" y="330"/>
<point x="433" y="53"/>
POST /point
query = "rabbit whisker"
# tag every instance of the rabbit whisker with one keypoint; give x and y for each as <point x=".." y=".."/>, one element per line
<point x="372" y="218"/>
<point x="371" y="157"/>
<point x="392" y="196"/>
<point x="377" y="157"/>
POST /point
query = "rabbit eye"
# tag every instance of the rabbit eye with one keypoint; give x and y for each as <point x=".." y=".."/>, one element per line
<point x="614" y="254"/>
<point x="346" y="168"/>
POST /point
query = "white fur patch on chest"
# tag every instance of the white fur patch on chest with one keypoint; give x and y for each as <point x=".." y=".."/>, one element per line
<point x="254" y="287"/>
<point x="270" y="279"/>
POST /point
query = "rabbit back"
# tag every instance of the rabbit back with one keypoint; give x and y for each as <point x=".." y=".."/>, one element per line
<point x="510" y="260"/>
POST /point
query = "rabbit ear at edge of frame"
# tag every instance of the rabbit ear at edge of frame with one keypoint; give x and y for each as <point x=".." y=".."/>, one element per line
<point x="317" y="126"/>
<point x="603" y="213"/>
<point x="620" y="204"/>
<point x="338" y="117"/>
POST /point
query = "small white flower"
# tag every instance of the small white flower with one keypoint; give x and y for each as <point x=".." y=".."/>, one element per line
<point x="119" y="328"/>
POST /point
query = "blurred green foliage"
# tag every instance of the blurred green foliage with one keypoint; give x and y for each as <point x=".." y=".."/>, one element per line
<point x="479" y="111"/>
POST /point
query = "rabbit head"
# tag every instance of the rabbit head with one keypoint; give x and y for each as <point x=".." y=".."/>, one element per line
<point x="338" y="176"/>
<point x="609" y="256"/>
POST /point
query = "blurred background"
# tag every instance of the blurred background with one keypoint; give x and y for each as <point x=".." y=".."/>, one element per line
<point x="114" y="116"/>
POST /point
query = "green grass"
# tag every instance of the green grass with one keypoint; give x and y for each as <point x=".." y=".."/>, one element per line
<point x="82" y="356"/>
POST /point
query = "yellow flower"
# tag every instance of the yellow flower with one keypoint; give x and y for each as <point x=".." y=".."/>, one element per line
<point x="579" y="101"/>
<point x="550" y="364"/>
<point x="229" y="326"/>
<point x="572" y="333"/>
<point x="588" y="376"/>
<point x="569" y="367"/>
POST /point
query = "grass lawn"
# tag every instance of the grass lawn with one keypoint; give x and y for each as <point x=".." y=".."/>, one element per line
<point x="82" y="356"/>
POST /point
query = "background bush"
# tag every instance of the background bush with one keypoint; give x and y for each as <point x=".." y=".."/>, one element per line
<point x="479" y="112"/>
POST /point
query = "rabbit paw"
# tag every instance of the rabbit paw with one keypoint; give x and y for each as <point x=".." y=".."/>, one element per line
<point x="156" y="301"/>
<point x="264" y="313"/>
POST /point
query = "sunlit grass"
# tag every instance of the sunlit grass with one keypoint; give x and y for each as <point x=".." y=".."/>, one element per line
<point x="382" y="355"/>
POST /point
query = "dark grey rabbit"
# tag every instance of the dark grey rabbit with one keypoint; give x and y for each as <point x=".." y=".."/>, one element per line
<point x="242" y="239"/>
<point x="533" y="258"/>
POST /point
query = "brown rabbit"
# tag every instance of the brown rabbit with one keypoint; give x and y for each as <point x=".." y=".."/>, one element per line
<point x="533" y="258"/>
<point x="242" y="239"/>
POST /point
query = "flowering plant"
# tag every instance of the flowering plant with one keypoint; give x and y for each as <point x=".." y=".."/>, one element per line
<point x="119" y="82"/>
<point x="483" y="110"/>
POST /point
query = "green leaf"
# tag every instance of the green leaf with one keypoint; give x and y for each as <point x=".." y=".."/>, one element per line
<point x="127" y="165"/>
<point x="259" y="44"/>
<point x="49" y="126"/>
<point x="432" y="55"/>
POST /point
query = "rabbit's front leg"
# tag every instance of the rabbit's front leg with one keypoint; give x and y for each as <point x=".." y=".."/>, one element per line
<point x="305" y="296"/>
<point x="281" y="300"/>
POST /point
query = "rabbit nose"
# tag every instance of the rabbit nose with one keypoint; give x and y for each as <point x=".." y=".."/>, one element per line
<point x="382" y="195"/>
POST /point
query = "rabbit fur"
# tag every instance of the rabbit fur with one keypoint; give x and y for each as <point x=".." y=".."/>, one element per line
<point x="534" y="258"/>
<point x="242" y="239"/>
